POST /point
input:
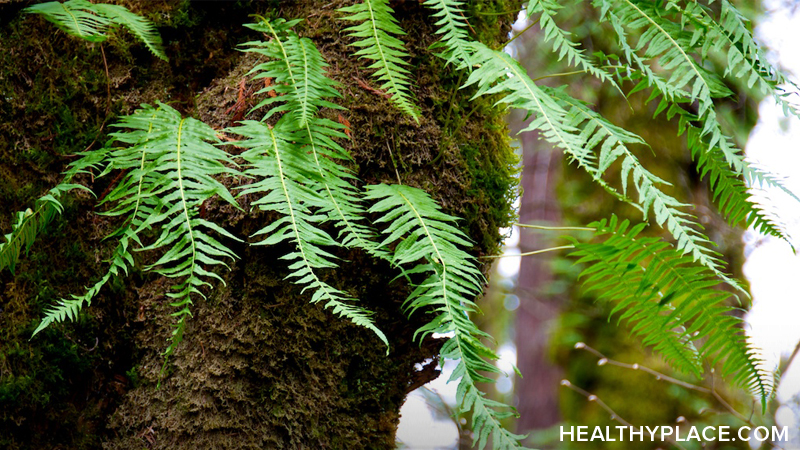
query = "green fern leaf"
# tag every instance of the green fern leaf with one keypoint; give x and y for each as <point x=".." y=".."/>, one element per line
<point x="120" y="261"/>
<point x="283" y="177"/>
<point x="28" y="224"/>
<point x="425" y="238"/>
<point x="374" y="38"/>
<point x="298" y="69"/>
<point x="560" y="39"/>
<point x="670" y="302"/>
<point x="453" y="28"/>
<point x="171" y="166"/>
<point x="91" y="22"/>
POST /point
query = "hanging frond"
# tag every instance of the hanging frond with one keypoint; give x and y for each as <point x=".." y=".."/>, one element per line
<point x="91" y="22"/>
<point x="560" y="39"/>
<point x="730" y="192"/>
<point x="65" y="309"/>
<point x="28" y="224"/>
<point x="426" y="239"/>
<point x="375" y="37"/>
<point x="170" y="165"/>
<point x="577" y="136"/>
<point x="283" y="174"/>
<point x="298" y="70"/>
<point x="453" y="28"/>
<point x="670" y="302"/>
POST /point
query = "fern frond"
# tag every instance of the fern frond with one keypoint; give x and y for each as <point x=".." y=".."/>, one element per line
<point x="426" y="238"/>
<point x="283" y="176"/>
<point x="143" y="29"/>
<point x="182" y="160"/>
<point x="577" y="133"/>
<point x="120" y="261"/>
<point x="91" y="22"/>
<point x="299" y="69"/>
<point x="560" y="39"/>
<point x="27" y="225"/>
<point x="374" y="38"/>
<point x="453" y="28"/>
<point x="171" y="163"/>
<point x="30" y="223"/>
<point x="498" y="72"/>
<point x="670" y="302"/>
<point x="75" y="17"/>
<point x="730" y="192"/>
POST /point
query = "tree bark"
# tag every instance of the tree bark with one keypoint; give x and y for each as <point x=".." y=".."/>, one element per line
<point x="259" y="367"/>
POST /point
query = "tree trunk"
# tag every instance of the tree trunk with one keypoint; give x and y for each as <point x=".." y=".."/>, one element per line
<point x="538" y="308"/>
<point x="259" y="366"/>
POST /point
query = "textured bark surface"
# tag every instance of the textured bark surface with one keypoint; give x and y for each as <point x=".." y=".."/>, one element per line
<point x="259" y="366"/>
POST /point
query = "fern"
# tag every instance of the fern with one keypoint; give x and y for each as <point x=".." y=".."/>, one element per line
<point x="299" y="73"/>
<point x="171" y="164"/>
<point x="28" y="224"/>
<point x="280" y="169"/>
<point x="560" y="39"/>
<point x="425" y="237"/>
<point x="376" y="42"/>
<point x="65" y="309"/>
<point x="453" y="28"/>
<point x="91" y="22"/>
<point x="297" y="171"/>
<point x="499" y="73"/>
<point x="670" y="302"/>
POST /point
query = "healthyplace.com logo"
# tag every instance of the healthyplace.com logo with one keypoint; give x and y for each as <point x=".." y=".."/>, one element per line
<point x="721" y="433"/>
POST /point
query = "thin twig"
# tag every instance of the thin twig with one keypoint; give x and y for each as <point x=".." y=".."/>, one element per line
<point x="603" y="360"/>
<point x="614" y="416"/>
<point x="108" y="99"/>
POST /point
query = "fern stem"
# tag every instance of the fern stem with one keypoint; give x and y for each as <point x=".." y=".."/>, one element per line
<point x="543" y="227"/>
<point x="520" y="33"/>
<point x="535" y="252"/>
<point x="576" y="72"/>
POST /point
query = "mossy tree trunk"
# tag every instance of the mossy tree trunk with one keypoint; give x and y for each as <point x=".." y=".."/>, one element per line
<point x="259" y="366"/>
